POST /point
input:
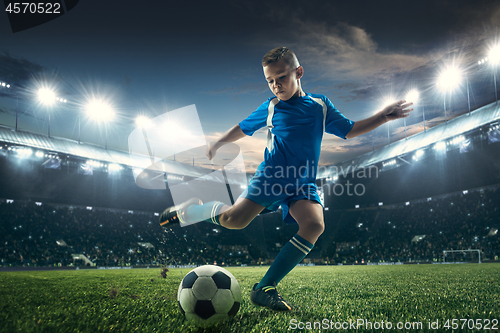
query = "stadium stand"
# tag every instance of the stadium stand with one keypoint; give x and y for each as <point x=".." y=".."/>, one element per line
<point x="30" y="234"/>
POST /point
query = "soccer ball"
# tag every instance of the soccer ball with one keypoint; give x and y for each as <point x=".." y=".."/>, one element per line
<point x="208" y="294"/>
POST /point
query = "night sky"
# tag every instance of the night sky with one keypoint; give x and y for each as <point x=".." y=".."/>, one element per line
<point x="150" y="57"/>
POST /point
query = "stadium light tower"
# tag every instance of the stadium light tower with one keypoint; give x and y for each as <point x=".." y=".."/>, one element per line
<point x="448" y="80"/>
<point x="412" y="96"/>
<point x="47" y="97"/>
<point x="100" y="111"/>
<point x="144" y="122"/>
<point x="494" y="59"/>
<point x="5" y="85"/>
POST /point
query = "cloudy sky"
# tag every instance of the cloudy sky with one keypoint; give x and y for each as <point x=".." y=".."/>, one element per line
<point x="150" y="57"/>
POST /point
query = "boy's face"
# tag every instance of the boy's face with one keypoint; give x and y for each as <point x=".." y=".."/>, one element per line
<point x="283" y="80"/>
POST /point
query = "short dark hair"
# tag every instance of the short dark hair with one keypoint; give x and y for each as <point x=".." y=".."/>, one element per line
<point x="281" y="53"/>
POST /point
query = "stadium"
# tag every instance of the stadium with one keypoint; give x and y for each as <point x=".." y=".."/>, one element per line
<point x="70" y="206"/>
<point x="59" y="180"/>
<point x="411" y="240"/>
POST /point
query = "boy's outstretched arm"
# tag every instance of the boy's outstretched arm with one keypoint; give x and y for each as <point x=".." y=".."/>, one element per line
<point x="234" y="134"/>
<point x="391" y="112"/>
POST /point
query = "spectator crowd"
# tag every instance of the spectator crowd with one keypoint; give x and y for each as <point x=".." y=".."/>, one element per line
<point x="43" y="235"/>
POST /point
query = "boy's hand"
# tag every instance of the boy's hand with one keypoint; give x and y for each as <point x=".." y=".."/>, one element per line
<point x="397" y="110"/>
<point x="391" y="112"/>
<point x="235" y="133"/>
<point x="211" y="151"/>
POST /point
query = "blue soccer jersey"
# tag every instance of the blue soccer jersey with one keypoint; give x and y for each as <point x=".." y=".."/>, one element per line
<point x="294" y="146"/>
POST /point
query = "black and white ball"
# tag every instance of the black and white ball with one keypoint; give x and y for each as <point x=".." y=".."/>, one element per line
<point x="208" y="294"/>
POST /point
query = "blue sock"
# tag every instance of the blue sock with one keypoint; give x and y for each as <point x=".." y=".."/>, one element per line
<point x="208" y="212"/>
<point x="290" y="255"/>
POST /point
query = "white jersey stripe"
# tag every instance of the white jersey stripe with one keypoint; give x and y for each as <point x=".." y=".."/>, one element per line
<point x="320" y="102"/>
<point x="270" y="114"/>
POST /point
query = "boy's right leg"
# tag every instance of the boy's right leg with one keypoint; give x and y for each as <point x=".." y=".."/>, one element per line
<point x="237" y="216"/>
<point x="240" y="214"/>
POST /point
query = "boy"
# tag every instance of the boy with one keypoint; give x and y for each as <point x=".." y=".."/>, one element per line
<point x="296" y="121"/>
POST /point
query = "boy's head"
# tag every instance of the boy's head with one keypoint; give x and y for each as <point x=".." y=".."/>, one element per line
<point x="283" y="72"/>
<point x="281" y="53"/>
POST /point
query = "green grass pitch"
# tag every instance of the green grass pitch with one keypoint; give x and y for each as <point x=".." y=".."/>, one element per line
<point x="140" y="300"/>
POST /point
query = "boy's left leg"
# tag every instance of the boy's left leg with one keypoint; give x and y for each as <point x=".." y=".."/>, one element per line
<point x="309" y="216"/>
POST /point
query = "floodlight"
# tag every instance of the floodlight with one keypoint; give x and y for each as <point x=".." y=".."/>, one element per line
<point x="494" y="55"/>
<point x="142" y="121"/>
<point x="25" y="152"/>
<point x="457" y="140"/>
<point x="99" y="110"/>
<point x="93" y="163"/>
<point x="3" y="84"/>
<point x="46" y="96"/>
<point x="440" y="145"/>
<point x="8" y="86"/>
<point x="391" y="162"/>
<point x="114" y="167"/>
<point x="449" y="79"/>
<point x="412" y="96"/>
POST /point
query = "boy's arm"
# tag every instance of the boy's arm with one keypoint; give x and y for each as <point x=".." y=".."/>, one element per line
<point x="393" y="111"/>
<point x="234" y="134"/>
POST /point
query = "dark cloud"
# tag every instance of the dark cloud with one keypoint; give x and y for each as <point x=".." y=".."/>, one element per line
<point x="17" y="72"/>
<point x="23" y="74"/>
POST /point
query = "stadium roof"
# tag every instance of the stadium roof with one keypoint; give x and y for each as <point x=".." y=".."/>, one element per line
<point x="462" y="124"/>
<point x="89" y="151"/>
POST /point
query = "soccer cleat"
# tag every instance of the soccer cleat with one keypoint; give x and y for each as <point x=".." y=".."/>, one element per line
<point x="268" y="296"/>
<point x="174" y="215"/>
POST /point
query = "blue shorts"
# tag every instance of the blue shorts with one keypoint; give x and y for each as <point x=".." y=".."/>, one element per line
<point x="273" y="194"/>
